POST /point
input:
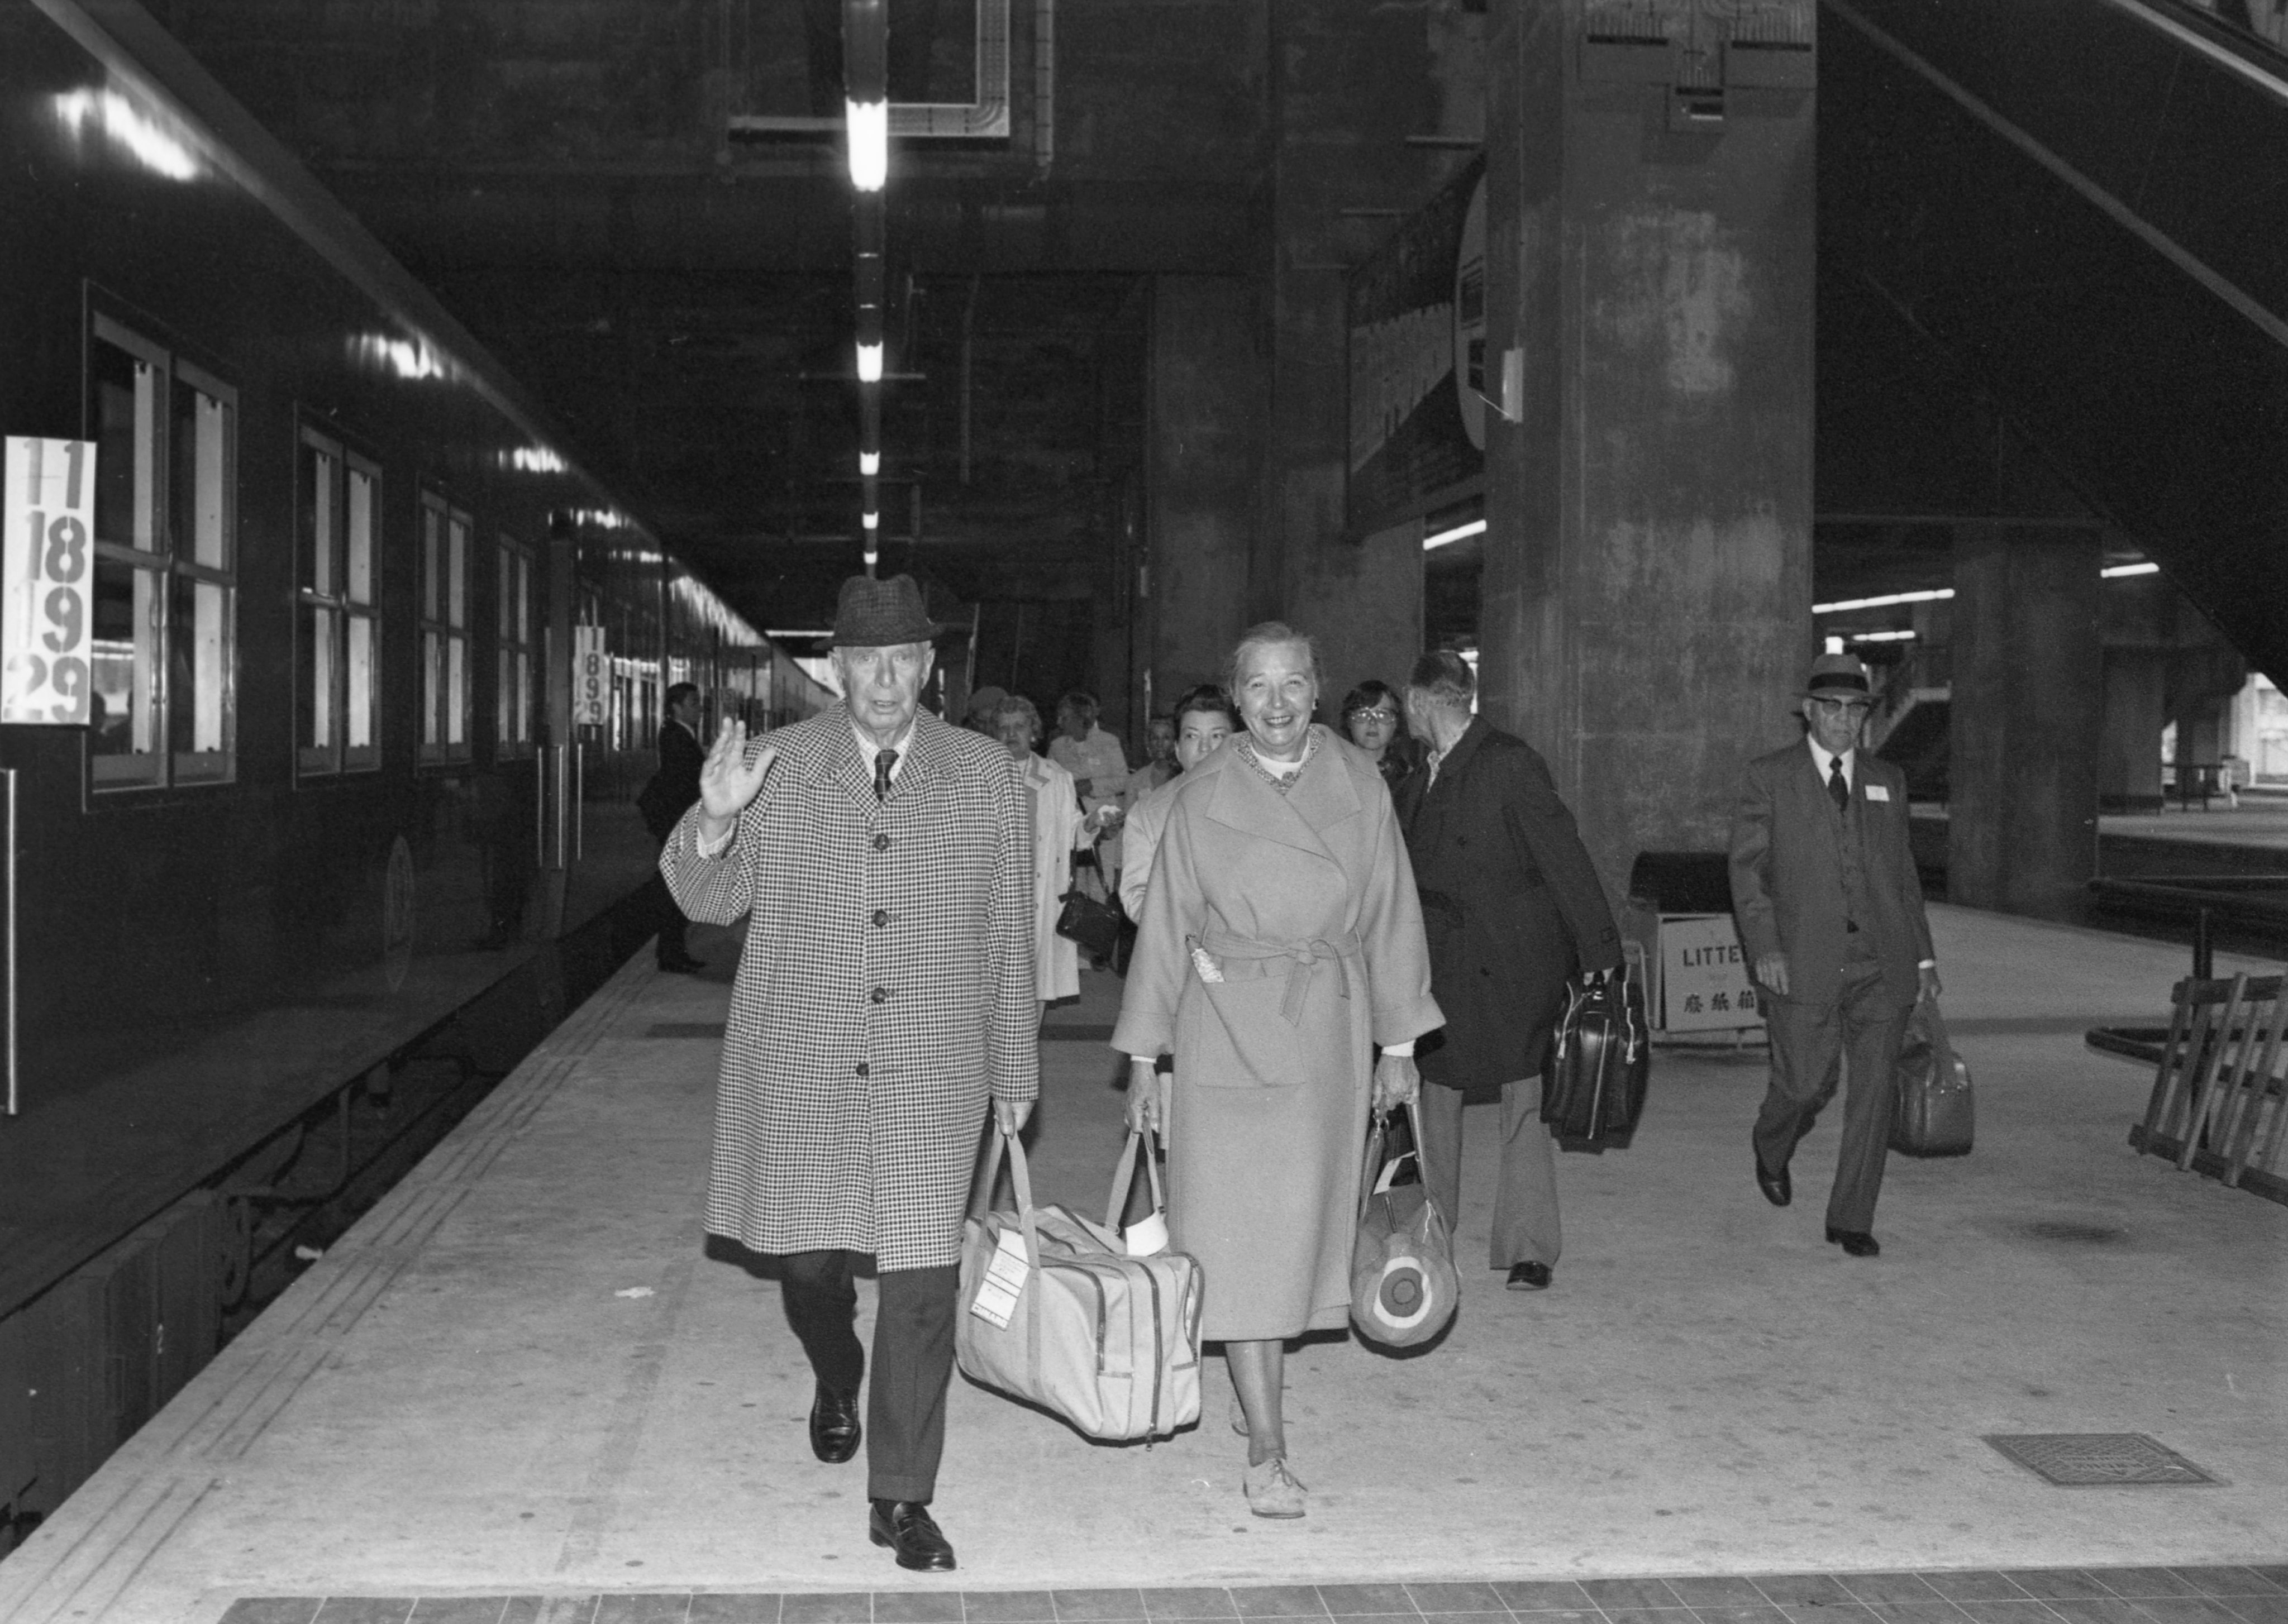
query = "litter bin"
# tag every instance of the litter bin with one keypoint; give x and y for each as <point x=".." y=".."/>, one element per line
<point x="1678" y="917"/>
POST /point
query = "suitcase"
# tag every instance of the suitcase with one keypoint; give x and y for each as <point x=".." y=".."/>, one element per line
<point x="1935" y="1114"/>
<point x="1054" y="1313"/>
<point x="1602" y="1060"/>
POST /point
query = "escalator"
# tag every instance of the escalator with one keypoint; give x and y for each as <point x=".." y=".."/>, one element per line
<point x="2078" y="212"/>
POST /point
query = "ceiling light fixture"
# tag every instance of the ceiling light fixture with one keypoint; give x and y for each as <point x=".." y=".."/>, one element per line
<point x="869" y="463"/>
<point x="871" y="521"/>
<point x="1459" y="533"/>
<point x="869" y="363"/>
<point x="2123" y="571"/>
<point x="1933" y="595"/>
<point x="869" y="144"/>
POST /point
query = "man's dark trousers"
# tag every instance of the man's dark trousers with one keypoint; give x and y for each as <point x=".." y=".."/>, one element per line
<point x="913" y="1359"/>
<point x="1527" y="1226"/>
<point x="1809" y="1046"/>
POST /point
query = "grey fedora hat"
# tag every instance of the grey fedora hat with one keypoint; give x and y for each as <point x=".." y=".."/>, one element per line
<point x="879" y="614"/>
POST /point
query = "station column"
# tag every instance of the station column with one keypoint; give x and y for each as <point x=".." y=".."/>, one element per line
<point x="1645" y="610"/>
<point x="2027" y="717"/>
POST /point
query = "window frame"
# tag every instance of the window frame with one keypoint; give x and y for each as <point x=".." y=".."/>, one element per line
<point x="440" y="635"/>
<point x="513" y="557"/>
<point x="333" y="762"/>
<point x="175" y="574"/>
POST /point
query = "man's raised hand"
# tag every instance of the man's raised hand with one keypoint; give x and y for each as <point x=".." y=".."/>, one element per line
<point x="730" y="777"/>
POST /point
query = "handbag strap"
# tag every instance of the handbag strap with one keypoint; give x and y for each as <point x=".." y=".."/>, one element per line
<point x="1020" y="1180"/>
<point x="1123" y="1179"/>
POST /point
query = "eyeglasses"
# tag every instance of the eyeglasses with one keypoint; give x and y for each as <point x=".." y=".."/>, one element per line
<point x="1842" y="707"/>
<point x="1374" y="716"/>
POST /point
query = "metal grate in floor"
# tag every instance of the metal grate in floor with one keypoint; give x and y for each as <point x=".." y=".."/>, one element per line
<point x="712" y="1030"/>
<point x="2090" y="1460"/>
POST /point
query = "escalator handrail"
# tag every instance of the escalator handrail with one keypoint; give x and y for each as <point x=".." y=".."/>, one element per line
<point x="2252" y="55"/>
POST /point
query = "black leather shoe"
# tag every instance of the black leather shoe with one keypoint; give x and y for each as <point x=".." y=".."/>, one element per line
<point x="1528" y="1277"/>
<point x="1854" y="1242"/>
<point x="908" y="1529"/>
<point x="682" y="967"/>
<point x="1778" y="1188"/>
<point x="834" y="1428"/>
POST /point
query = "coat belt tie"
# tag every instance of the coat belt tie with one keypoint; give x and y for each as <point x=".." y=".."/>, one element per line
<point x="1244" y="957"/>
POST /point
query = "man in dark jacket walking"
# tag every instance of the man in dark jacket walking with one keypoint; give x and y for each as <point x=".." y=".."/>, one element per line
<point x="1512" y="908"/>
<point x="672" y="792"/>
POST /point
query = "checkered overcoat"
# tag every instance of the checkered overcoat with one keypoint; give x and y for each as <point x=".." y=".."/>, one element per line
<point x="886" y="988"/>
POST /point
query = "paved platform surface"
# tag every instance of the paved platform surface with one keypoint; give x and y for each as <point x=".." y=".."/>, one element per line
<point x="2045" y="1596"/>
<point x="520" y="1389"/>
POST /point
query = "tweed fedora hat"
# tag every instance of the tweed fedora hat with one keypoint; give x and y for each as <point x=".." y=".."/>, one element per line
<point x="1837" y="677"/>
<point x="879" y="614"/>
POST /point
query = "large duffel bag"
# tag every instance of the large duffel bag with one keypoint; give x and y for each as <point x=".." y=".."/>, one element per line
<point x="1055" y="1312"/>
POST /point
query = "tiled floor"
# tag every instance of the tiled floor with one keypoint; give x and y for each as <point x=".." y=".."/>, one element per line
<point x="2025" y="1596"/>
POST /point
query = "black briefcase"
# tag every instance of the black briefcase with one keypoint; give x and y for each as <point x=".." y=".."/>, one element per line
<point x="1594" y="1090"/>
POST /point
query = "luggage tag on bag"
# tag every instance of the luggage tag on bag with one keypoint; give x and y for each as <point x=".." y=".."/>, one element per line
<point x="996" y="1301"/>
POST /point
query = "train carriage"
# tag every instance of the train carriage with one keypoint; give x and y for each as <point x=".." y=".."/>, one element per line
<point x="340" y="802"/>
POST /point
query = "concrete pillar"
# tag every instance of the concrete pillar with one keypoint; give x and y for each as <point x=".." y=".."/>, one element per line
<point x="1647" y="596"/>
<point x="1350" y="83"/>
<point x="1208" y="392"/>
<point x="2129" y="752"/>
<point x="2027" y="719"/>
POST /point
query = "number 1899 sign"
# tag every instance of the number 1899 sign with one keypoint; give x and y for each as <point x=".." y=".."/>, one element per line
<point x="47" y="612"/>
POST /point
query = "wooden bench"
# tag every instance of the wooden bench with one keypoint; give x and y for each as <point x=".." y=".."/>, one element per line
<point x="2219" y="1099"/>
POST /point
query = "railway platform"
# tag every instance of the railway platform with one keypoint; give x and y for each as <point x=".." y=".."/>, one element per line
<point x="521" y="1388"/>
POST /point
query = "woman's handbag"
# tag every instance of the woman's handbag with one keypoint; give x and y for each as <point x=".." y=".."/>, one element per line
<point x="1935" y="1114"/>
<point x="1095" y="925"/>
<point x="1404" y="1287"/>
<point x="1055" y="1312"/>
<point x="1595" y="1087"/>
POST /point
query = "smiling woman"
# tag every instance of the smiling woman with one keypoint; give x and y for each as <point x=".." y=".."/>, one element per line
<point x="1281" y="941"/>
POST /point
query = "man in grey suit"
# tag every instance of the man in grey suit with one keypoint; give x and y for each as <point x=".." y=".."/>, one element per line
<point x="1830" y="911"/>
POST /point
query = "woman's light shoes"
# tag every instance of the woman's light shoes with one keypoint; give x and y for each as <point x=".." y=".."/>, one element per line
<point x="1274" y="1491"/>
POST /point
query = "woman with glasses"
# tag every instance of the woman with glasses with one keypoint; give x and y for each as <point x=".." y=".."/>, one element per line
<point x="1374" y="719"/>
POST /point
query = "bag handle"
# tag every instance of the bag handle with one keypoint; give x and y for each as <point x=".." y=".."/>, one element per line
<point x="1123" y="1179"/>
<point x="1375" y="1177"/>
<point x="1019" y="1178"/>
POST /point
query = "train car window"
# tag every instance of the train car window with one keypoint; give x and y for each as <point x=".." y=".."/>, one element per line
<point x="514" y="720"/>
<point x="337" y="664"/>
<point x="166" y="584"/>
<point x="444" y="630"/>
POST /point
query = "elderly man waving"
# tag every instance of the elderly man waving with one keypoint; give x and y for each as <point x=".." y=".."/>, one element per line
<point x="886" y="862"/>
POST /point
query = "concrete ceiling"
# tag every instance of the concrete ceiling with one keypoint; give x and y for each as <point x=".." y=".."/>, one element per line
<point x="567" y="178"/>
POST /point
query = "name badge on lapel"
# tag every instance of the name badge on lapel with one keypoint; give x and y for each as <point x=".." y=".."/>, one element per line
<point x="1878" y="792"/>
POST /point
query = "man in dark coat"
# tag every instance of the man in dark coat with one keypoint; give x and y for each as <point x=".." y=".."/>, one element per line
<point x="1830" y="911"/>
<point x="1512" y="908"/>
<point x="663" y="800"/>
<point x="883" y="860"/>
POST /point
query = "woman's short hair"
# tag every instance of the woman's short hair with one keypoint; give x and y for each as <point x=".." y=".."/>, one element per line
<point x="1207" y="696"/>
<point x="1266" y="634"/>
<point x="1445" y="677"/>
<point x="1372" y="694"/>
<point x="1018" y="705"/>
<point x="1081" y="700"/>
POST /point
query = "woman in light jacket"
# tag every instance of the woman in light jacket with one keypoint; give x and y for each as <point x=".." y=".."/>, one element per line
<point x="1282" y="942"/>
<point x="1060" y="828"/>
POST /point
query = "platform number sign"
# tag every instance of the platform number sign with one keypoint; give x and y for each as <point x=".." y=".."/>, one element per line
<point x="591" y="678"/>
<point x="47" y="612"/>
